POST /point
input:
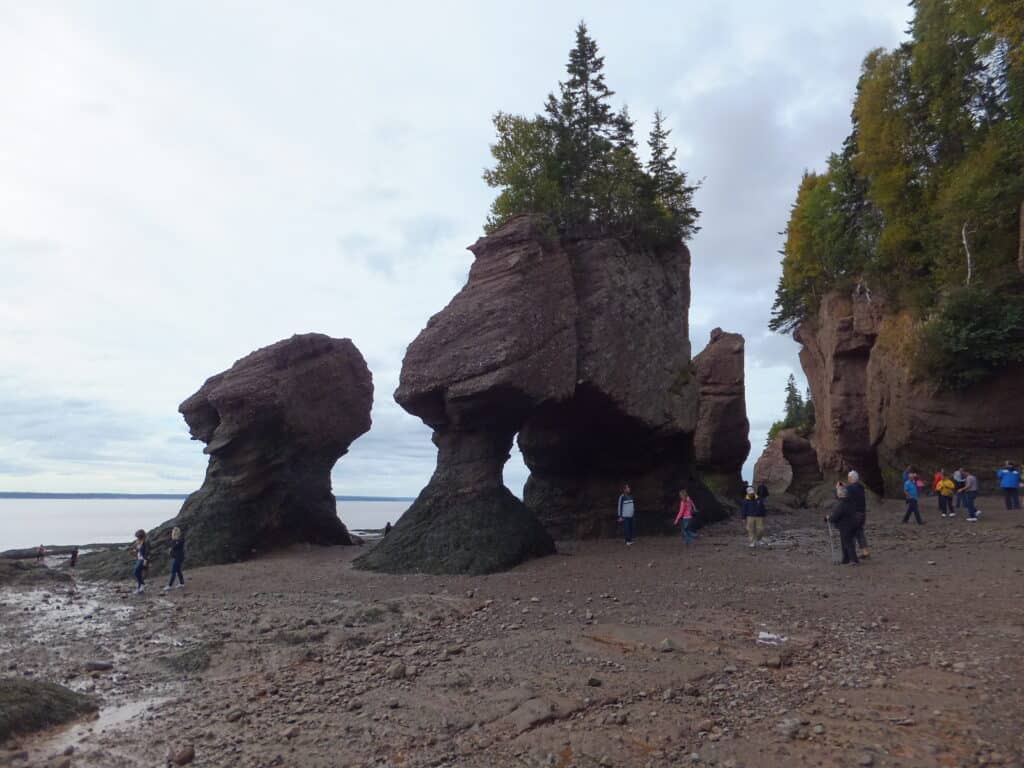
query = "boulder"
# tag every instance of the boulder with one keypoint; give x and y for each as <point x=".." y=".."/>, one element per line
<point x="32" y="705"/>
<point x="721" y="443"/>
<point x="578" y="344"/>
<point x="789" y="467"/>
<point x="875" y="415"/>
<point x="274" y="425"/>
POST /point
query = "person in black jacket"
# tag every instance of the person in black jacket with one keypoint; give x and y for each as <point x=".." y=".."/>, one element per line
<point x="844" y="518"/>
<point x="177" y="558"/>
<point x="141" y="547"/>
<point x="859" y="499"/>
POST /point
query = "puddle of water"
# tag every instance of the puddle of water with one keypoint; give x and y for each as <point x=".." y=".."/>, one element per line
<point x="109" y="719"/>
<point x="770" y="638"/>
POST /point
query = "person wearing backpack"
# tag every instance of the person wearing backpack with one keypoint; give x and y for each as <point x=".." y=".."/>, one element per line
<point x="177" y="558"/>
<point x="686" y="510"/>
<point x="626" y="511"/>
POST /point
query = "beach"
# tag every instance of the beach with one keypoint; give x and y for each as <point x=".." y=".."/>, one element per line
<point x="601" y="655"/>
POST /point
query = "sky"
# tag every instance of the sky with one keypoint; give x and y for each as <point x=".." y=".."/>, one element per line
<point x="182" y="183"/>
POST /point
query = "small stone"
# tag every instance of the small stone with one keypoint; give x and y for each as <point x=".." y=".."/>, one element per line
<point x="292" y="732"/>
<point x="98" y="666"/>
<point x="866" y="759"/>
<point x="594" y="682"/>
<point x="819" y="730"/>
<point x="666" y="646"/>
<point x="184" y="756"/>
<point x="235" y="715"/>
<point x="396" y="671"/>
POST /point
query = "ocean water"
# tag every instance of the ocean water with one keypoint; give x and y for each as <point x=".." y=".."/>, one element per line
<point x="31" y="522"/>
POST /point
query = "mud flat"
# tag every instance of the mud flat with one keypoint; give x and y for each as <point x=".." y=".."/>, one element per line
<point x="655" y="655"/>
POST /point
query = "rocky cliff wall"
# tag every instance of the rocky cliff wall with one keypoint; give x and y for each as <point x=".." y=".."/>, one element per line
<point x="874" y="415"/>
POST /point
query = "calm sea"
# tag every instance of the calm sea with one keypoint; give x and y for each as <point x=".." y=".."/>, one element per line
<point x="31" y="522"/>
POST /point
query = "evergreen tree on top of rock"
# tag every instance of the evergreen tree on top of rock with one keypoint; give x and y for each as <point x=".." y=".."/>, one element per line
<point x="577" y="163"/>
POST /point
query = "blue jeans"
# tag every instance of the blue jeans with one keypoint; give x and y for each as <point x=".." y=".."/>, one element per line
<point x="627" y="528"/>
<point x="139" y="565"/>
<point x="176" y="570"/>
<point x="1012" y="498"/>
<point x="912" y="510"/>
<point x="688" y="535"/>
<point x="969" y="497"/>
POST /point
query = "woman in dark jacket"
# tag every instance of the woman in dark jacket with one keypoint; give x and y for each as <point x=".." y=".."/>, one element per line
<point x="177" y="558"/>
<point x="846" y="520"/>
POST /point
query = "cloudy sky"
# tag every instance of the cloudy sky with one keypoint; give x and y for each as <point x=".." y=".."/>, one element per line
<point x="181" y="183"/>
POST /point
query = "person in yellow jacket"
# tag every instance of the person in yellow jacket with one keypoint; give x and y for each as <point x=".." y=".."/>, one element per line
<point x="945" y="488"/>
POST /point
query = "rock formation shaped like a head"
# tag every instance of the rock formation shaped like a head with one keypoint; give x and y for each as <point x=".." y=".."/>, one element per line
<point x="274" y="425"/>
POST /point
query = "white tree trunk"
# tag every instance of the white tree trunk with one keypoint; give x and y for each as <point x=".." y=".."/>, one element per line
<point x="967" y="250"/>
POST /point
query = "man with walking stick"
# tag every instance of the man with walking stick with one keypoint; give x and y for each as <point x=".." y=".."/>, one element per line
<point x="844" y="518"/>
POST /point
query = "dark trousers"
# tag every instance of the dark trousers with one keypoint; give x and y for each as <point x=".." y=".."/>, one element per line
<point x="912" y="510"/>
<point x="176" y="571"/>
<point x="139" y="566"/>
<point x="847" y="542"/>
<point x="959" y="496"/>
<point x="627" y="528"/>
<point x="945" y="505"/>
<point x="1012" y="498"/>
<point x="969" y="497"/>
<point x="858" y="535"/>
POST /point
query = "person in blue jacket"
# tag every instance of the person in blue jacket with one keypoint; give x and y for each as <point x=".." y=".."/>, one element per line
<point x="626" y="511"/>
<point x="1009" y="481"/>
<point x="753" y="514"/>
<point x="910" y="493"/>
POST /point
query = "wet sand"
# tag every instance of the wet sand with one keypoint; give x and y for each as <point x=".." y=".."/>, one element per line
<point x="653" y="655"/>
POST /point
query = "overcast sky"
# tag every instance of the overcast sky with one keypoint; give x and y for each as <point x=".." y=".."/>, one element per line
<point x="181" y="183"/>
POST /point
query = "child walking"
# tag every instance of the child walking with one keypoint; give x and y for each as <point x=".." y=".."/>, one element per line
<point x="753" y="513"/>
<point x="141" y="560"/>
<point x="177" y="558"/>
<point x="686" y="515"/>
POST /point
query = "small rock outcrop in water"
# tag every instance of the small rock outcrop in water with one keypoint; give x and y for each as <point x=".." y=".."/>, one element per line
<point x="274" y="425"/>
<point x="32" y="705"/>
<point x="788" y="465"/>
<point x="721" y="443"/>
<point x="581" y="347"/>
<point x="874" y="415"/>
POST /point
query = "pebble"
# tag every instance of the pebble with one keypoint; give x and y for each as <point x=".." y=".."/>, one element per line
<point x="184" y="756"/>
<point x="397" y="671"/>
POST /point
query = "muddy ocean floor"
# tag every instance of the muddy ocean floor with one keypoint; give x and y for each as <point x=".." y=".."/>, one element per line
<point x="653" y="655"/>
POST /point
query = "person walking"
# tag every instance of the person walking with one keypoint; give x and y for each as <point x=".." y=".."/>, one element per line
<point x="859" y="500"/>
<point x="1009" y="481"/>
<point x="936" y="479"/>
<point x="141" y="560"/>
<point x="958" y="481"/>
<point x="626" y="512"/>
<point x="40" y="553"/>
<point x="685" y="515"/>
<point x="73" y="561"/>
<point x="177" y="559"/>
<point x="946" y="489"/>
<point x="753" y="513"/>
<point x="844" y="518"/>
<point x="910" y="494"/>
<point x="970" y="493"/>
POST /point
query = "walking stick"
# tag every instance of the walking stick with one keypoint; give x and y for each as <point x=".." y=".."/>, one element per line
<point x="831" y="545"/>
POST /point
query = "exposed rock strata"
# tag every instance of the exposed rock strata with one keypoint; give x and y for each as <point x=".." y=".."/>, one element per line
<point x="274" y="425"/>
<point x="788" y="465"/>
<point x="722" y="443"/>
<point x="876" y="416"/>
<point x="581" y="347"/>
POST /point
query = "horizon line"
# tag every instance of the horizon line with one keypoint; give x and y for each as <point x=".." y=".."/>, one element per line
<point x="105" y="495"/>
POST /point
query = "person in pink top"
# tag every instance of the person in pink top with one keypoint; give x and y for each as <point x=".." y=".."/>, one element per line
<point x="686" y="510"/>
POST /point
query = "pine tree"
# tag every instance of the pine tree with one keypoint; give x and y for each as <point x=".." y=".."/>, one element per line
<point x="794" y="404"/>
<point x="673" y="198"/>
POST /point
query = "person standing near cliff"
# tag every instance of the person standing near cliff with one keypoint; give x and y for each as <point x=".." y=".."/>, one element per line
<point x="177" y="558"/>
<point x="1009" y="481"/>
<point x="844" y="518"/>
<point x="970" y="493"/>
<point x="753" y="513"/>
<point x="141" y="547"/>
<point x="626" y="511"/>
<point x="686" y="509"/>
<point x="910" y="494"/>
<point x="859" y="501"/>
<point x="958" y="482"/>
<point x="946" y="489"/>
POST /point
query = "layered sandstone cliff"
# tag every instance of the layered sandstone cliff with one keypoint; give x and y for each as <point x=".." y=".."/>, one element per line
<point x="874" y="415"/>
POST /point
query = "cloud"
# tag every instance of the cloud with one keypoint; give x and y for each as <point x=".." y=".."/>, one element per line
<point x="299" y="169"/>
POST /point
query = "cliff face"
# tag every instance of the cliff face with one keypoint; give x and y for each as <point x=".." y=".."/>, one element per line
<point x="580" y="346"/>
<point x="721" y="443"/>
<point x="875" y="416"/>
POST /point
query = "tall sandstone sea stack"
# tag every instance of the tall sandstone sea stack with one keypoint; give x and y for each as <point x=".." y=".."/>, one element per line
<point x="722" y="441"/>
<point x="875" y="415"/>
<point x="578" y="344"/>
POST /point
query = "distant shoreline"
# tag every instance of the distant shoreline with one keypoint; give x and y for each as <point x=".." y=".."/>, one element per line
<point x="182" y="496"/>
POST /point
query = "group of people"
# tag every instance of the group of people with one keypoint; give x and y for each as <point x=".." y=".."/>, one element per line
<point x="142" y="552"/>
<point x="959" y="489"/>
<point x="849" y="517"/>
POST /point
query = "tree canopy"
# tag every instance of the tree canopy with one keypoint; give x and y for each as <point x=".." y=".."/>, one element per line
<point x="924" y="197"/>
<point x="578" y="164"/>
<point x="799" y="412"/>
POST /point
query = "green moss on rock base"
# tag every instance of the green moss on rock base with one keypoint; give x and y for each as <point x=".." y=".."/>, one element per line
<point x="32" y="705"/>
